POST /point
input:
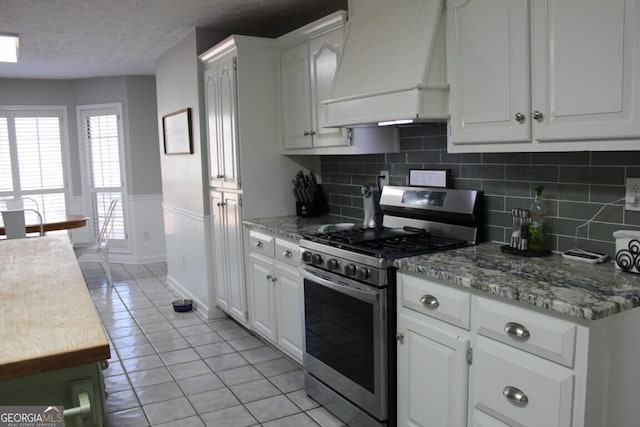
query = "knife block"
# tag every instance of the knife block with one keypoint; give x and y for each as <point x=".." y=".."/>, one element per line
<point x="315" y="208"/>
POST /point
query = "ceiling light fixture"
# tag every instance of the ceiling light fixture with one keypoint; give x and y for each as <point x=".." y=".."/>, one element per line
<point x="9" y="44"/>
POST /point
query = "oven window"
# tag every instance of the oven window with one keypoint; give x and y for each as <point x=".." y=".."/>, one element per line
<point x="339" y="332"/>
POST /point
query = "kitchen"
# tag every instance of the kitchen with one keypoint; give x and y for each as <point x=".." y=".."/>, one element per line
<point x="577" y="183"/>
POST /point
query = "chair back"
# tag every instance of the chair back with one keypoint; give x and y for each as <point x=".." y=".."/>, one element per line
<point x="14" y="224"/>
<point x="107" y="225"/>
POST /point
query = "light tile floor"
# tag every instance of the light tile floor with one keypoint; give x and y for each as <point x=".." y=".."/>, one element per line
<point x="178" y="369"/>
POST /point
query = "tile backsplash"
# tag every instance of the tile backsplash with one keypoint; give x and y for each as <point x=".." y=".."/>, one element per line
<point x="576" y="185"/>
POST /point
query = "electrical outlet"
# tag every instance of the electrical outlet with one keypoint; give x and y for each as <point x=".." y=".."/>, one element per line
<point x="632" y="202"/>
<point x="384" y="181"/>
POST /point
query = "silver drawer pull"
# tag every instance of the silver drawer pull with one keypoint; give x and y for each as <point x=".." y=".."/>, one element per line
<point x="516" y="331"/>
<point x="269" y="277"/>
<point x="258" y="244"/>
<point x="219" y="176"/>
<point x="515" y="396"/>
<point x="287" y="254"/>
<point x="429" y="301"/>
<point x="400" y="336"/>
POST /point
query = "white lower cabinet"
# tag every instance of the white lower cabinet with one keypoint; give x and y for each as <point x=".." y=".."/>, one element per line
<point x="228" y="251"/>
<point x="510" y="364"/>
<point x="432" y="373"/>
<point x="275" y="285"/>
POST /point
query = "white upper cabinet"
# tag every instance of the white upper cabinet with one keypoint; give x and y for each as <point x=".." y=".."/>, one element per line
<point x="308" y="62"/>
<point x="221" y="99"/>
<point x="547" y="75"/>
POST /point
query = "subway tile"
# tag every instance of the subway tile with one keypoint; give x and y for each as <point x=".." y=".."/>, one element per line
<point x="506" y="158"/>
<point x="585" y="211"/>
<point x="334" y="209"/>
<point x="482" y="171"/>
<point x="411" y="143"/>
<point x="506" y="188"/>
<point x="572" y="192"/>
<point x="435" y="142"/>
<point x="502" y="219"/>
<point x="351" y="190"/>
<point x="374" y="168"/>
<point x="493" y="234"/>
<point x="428" y="156"/>
<point x="338" y="199"/>
<point x="633" y="172"/>
<point x="566" y="227"/>
<point x="461" y="157"/>
<point x="592" y="175"/>
<point x="606" y="193"/>
<point x="494" y="203"/>
<point x="423" y="129"/>
<point x="366" y="158"/>
<point x="550" y="206"/>
<point x="400" y="157"/>
<point x="632" y="218"/>
<point x="467" y="184"/>
<point x="620" y="158"/>
<point x="532" y="173"/>
<point x="350" y="168"/>
<point x="363" y="179"/>
<point x="338" y="178"/>
<point x="604" y="232"/>
<point x="398" y="180"/>
<point x="352" y="212"/>
<point x="402" y="169"/>
<point x="555" y="158"/>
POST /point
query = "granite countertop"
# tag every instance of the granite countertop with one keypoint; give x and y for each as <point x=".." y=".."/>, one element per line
<point x="577" y="289"/>
<point x="580" y="290"/>
<point x="293" y="227"/>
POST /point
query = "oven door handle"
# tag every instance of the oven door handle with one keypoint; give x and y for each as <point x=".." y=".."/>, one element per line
<point x="361" y="294"/>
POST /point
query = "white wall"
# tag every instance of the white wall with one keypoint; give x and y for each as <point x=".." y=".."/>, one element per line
<point x="184" y="177"/>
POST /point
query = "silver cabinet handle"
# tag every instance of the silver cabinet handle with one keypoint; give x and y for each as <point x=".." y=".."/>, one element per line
<point x="221" y="204"/>
<point x="258" y="244"/>
<point x="537" y="115"/>
<point x="517" y="331"/>
<point x="269" y="277"/>
<point x="219" y="176"/>
<point x="274" y="280"/>
<point x="429" y="301"/>
<point x="400" y="336"/>
<point x="287" y="254"/>
<point x="313" y="132"/>
<point x="306" y="133"/>
<point x="515" y="396"/>
<point x="519" y="117"/>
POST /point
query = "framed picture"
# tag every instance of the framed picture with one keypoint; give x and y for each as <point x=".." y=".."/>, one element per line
<point x="177" y="132"/>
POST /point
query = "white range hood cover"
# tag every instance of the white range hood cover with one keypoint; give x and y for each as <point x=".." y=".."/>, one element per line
<point x="392" y="67"/>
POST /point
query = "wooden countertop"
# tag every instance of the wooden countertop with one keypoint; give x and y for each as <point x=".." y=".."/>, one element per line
<point x="47" y="318"/>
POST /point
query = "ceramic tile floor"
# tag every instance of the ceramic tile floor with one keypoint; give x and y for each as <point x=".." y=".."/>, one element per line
<point x="178" y="369"/>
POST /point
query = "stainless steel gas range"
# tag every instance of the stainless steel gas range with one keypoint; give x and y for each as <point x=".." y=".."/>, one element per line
<point x="350" y="296"/>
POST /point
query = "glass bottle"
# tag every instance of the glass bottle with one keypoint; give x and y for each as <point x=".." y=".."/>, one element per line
<point x="538" y="226"/>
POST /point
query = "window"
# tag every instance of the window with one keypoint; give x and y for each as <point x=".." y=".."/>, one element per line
<point x="31" y="161"/>
<point x="101" y="135"/>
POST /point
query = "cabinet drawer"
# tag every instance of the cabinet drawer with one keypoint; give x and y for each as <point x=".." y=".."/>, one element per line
<point x="551" y="338"/>
<point x="288" y="252"/>
<point x="262" y="243"/>
<point x="435" y="300"/>
<point x="519" y="388"/>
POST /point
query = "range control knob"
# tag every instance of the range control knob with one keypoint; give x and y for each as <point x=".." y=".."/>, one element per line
<point x="333" y="264"/>
<point x="362" y="273"/>
<point x="350" y="270"/>
<point x="316" y="259"/>
<point x="306" y="256"/>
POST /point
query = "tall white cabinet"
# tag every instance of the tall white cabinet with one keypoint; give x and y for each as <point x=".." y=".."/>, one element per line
<point x="543" y="75"/>
<point x="248" y="177"/>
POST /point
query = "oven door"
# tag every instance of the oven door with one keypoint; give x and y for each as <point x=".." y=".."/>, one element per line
<point x="346" y="338"/>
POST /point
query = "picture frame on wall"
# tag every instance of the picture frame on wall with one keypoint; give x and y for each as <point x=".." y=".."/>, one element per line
<point x="176" y="128"/>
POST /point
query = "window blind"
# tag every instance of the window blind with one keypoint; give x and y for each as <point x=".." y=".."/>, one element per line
<point x="102" y="142"/>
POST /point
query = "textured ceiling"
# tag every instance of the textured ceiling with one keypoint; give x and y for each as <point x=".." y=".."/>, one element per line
<point x="69" y="39"/>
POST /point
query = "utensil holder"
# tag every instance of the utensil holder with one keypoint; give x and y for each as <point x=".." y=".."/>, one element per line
<point x="627" y="250"/>
<point x="314" y="208"/>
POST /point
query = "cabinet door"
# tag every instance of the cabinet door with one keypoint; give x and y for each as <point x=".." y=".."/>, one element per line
<point x="214" y="142"/>
<point x="586" y="75"/>
<point x="432" y="375"/>
<point x="263" y="304"/>
<point x="489" y="70"/>
<point x="324" y="51"/>
<point x="219" y="250"/>
<point x="289" y="305"/>
<point x="235" y="257"/>
<point x="228" y="122"/>
<point x="296" y="98"/>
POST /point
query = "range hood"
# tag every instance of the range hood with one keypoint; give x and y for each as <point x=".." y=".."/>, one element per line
<point x="392" y="67"/>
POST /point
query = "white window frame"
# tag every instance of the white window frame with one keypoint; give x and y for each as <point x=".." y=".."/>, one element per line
<point x="59" y="111"/>
<point x="118" y="245"/>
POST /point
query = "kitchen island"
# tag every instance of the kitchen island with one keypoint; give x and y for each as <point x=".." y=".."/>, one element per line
<point x="52" y="338"/>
